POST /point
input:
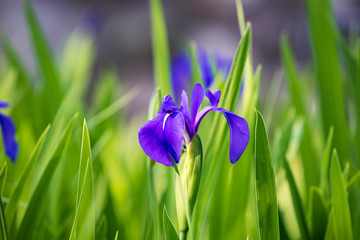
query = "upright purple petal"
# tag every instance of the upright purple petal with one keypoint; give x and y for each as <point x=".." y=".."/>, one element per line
<point x="214" y="98"/>
<point x="185" y="109"/>
<point x="4" y="104"/>
<point x="8" y="135"/>
<point x="239" y="131"/>
<point x="163" y="136"/>
<point x="168" y="105"/>
<point x="196" y="100"/>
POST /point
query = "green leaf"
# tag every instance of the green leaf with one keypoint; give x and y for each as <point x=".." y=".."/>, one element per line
<point x="266" y="200"/>
<point x="4" y="234"/>
<point x="80" y="199"/>
<point x="169" y="229"/>
<point x="15" y="198"/>
<point x="340" y="205"/>
<point x="36" y="204"/>
<point x="195" y="67"/>
<point x="328" y="72"/>
<point x="43" y="56"/>
<point x="299" y="211"/>
<point x="116" y="235"/>
<point x="326" y="159"/>
<point x="161" y="59"/>
<point x="3" y="174"/>
<point x="318" y="214"/>
<point x="113" y="108"/>
<point x="86" y="226"/>
<point x="14" y="59"/>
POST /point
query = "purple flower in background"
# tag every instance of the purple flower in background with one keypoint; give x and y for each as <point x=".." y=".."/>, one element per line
<point x="162" y="137"/>
<point x="181" y="71"/>
<point x="8" y="134"/>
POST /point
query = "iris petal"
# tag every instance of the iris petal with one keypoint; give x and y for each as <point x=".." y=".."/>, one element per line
<point x="168" y="105"/>
<point x="8" y="135"/>
<point x="196" y="100"/>
<point x="174" y="128"/>
<point x="239" y="131"/>
<point x="3" y="104"/>
<point x="162" y="136"/>
<point x="214" y="98"/>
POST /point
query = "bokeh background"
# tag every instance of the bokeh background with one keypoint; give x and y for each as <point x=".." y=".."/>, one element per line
<point x="123" y="39"/>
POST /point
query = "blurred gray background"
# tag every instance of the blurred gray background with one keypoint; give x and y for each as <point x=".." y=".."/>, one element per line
<point x="123" y="30"/>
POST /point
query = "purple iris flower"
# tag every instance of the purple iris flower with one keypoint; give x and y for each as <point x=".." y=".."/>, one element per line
<point x="181" y="71"/>
<point x="162" y="137"/>
<point x="8" y="134"/>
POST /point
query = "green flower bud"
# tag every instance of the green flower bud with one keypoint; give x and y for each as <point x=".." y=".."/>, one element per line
<point x="187" y="185"/>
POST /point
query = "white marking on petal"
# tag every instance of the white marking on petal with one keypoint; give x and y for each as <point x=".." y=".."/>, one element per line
<point x="166" y="116"/>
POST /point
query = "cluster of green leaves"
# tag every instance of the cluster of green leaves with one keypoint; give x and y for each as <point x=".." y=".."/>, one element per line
<point x="86" y="179"/>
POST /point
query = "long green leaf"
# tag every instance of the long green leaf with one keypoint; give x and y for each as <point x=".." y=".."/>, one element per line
<point x="266" y="200"/>
<point x="80" y="203"/>
<point x="4" y="232"/>
<point x="328" y="72"/>
<point x="113" y="108"/>
<point x="160" y="47"/>
<point x="318" y="214"/>
<point x="43" y="56"/>
<point x="340" y="205"/>
<point x="169" y="229"/>
<point x="299" y="211"/>
<point x="37" y="201"/>
<point x="86" y="226"/>
<point x="3" y="175"/>
<point x="11" y="207"/>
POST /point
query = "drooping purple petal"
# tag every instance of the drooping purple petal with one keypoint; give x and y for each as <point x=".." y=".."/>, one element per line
<point x="163" y="136"/>
<point x="4" y="104"/>
<point x="214" y="97"/>
<point x="196" y="100"/>
<point x="239" y="131"/>
<point x="8" y="135"/>
<point x="174" y="127"/>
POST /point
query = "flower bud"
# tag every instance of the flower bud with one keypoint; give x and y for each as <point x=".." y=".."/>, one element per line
<point x="187" y="185"/>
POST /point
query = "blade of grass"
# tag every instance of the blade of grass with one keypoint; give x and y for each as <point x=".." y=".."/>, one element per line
<point x="11" y="207"/>
<point x="169" y="229"/>
<point x="318" y="214"/>
<point x="43" y="56"/>
<point x="299" y="212"/>
<point x="86" y="226"/>
<point x="266" y="201"/>
<point x="160" y="46"/>
<point x="4" y="232"/>
<point x="328" y="73"/>
<point x="113" y="108"/>
<point x="80" y="203"/>
<point x="36" y="203"/>
<point x="326" y="160"/>
<point x="3" y="175"/>
<point x="340" y="205"/>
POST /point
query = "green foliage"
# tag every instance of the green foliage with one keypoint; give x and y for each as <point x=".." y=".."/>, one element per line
<point x="266" y="200"/>
<point x="287" y="184"/>
<point x="169" y="229"/>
